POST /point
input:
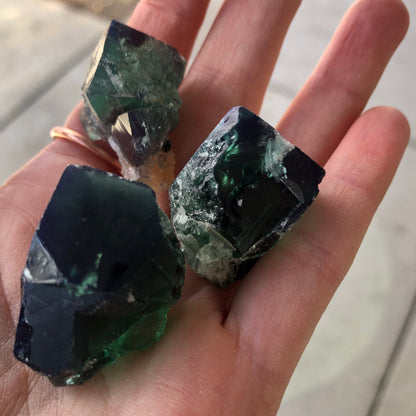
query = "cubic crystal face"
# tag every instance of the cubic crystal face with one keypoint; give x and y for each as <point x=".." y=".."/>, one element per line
<point x="239" y="193"/>
<point x="130" y="94"/>
<point x="103" y="269"/>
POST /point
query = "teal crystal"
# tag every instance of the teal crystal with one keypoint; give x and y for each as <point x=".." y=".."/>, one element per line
<point x="131" y="93"/>
<point x="103" y="269"/>
<point x="239" y="193"/>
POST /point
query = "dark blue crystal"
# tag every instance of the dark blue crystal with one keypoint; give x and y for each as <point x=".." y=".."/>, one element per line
<point x="103" y="269"/>
<point x="240" y="192"/>
<point x="130" y="71"/>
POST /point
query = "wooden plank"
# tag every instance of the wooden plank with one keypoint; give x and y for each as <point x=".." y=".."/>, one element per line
<point x="40" y="41"/>
<point x="398" y="396"/>
<point x="29" y="132"/>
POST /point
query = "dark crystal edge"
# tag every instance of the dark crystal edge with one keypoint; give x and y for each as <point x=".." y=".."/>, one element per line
<point x="30" y="343"/>
<point x="197" y="189"/>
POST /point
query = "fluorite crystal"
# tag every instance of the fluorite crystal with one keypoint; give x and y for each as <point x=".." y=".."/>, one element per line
<point x="103" y="269"/>
<point x="130" y="94"/>
<point x="240" y="192"/>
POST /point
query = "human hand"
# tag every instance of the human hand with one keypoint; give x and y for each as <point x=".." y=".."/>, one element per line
<point x="232" y="351"/>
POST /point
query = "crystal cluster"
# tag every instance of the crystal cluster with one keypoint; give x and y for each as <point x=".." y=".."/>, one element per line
<point x="103" y="269"/>
<point x="239" y="193"/>
<point x="131" y="98"/>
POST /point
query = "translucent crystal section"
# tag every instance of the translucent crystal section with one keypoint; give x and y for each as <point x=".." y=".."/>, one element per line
<point x="240" y="192"/>
<point x="130" y="94"/>
<point x="103" y="269"/>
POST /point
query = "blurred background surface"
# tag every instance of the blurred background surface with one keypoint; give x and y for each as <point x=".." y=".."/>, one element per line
<point x="360" y="361"/>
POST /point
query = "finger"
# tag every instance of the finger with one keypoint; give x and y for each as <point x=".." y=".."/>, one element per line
<point x="281" y="300"/>
<point x="345" y="77"/>
<point x="175" y="22"/>
<point x="233" y="67"/>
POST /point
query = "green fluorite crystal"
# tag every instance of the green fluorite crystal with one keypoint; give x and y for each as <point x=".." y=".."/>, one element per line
<point x="102" y="271"/>
<point x="242" y="189"/>
<point x="130" y="93"/>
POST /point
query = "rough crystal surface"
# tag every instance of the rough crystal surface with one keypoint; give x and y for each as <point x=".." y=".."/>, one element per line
<point x="240" y="192"/>
<point x="130" y="93"/>
<point x="103" y="269"/>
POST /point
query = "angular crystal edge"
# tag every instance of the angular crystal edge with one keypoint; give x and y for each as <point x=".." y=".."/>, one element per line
<point x="98" y="126"/>
<point x="196" y="199"/>
<point x="66" y="298"/>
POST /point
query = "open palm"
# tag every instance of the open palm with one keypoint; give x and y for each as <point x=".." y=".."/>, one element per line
<point x="230" y="352"/>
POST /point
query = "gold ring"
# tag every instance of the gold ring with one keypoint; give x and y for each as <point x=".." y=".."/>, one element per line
<point x="75" y="137"/>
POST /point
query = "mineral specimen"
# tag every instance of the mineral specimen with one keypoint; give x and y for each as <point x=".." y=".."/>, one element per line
<point x="103" y="269"/>
<point x="130" y="94"/>
<point x="240" y="192"/>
